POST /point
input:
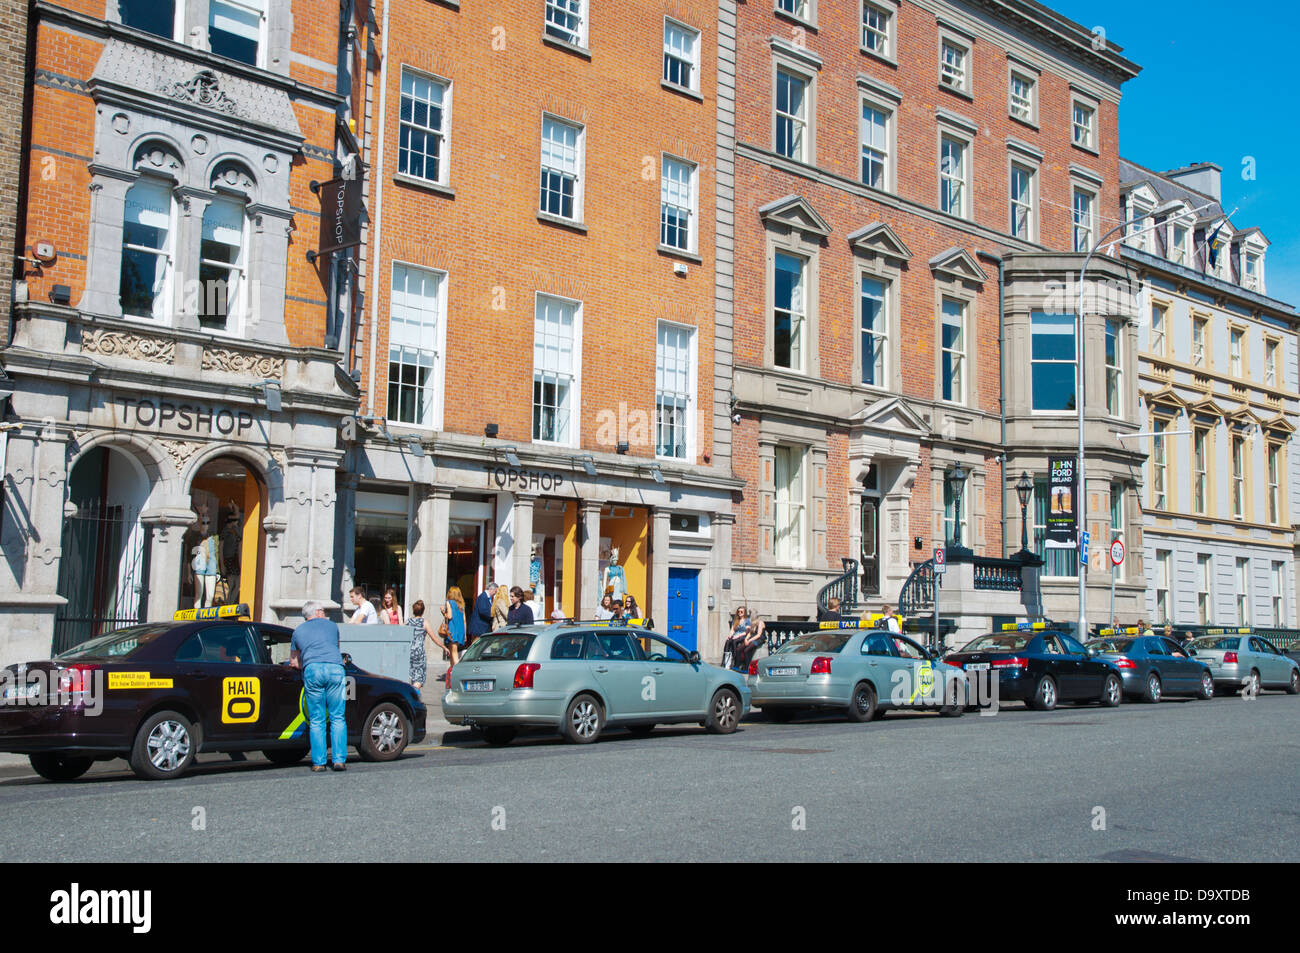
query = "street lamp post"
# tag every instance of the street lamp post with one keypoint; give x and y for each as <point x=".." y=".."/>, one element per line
<point x="956" y="482"/>
<point x="1024" y="490"/>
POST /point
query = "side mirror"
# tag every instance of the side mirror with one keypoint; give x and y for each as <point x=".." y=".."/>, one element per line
<point x="694" y="658"/>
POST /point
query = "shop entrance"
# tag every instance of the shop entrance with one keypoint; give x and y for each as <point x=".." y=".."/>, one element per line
<point x="224" y="546"/>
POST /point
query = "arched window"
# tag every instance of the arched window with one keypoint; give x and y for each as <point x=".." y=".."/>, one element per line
<point x="223" y="250"/>
<point x="147" y="248"/>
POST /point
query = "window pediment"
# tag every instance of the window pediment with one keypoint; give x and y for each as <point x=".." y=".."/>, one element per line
<point x="1167" y="399"/>
<point x="879" y="239"/>
<point x="958" y="263"/>
<point x="794" y="212"/>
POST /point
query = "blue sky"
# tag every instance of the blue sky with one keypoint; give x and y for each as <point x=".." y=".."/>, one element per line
<point x="1216" y="86"/>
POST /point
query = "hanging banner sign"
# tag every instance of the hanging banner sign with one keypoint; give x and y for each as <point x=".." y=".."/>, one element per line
<point x="340" y="214"/>
<point x="1062" y="506"/>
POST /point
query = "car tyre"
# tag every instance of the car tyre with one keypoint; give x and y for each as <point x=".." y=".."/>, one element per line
<point x="285" y="756"/>
<point x="863" y="704"/>
<point x="59" y="767"/>
<point x="1207" y="686"/>
<point x="1293" y="686"/>
<point x="958" y="706"/>
<point x="583" y="720"/>
<point x="498" y="736"/>
<point x="1112" y="692"/>
<point x="164" y="747"/>
<point x="1256" y="686"/>
<point x="724" y="712"/>
<point x="1153" y="689"/>
<point x="385" y="733"/>
<point x="1045" y="696"/>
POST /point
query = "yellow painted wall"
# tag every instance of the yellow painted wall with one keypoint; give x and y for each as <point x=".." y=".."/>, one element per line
<point x="632" y="537"/>
<point x="572" y="568"/>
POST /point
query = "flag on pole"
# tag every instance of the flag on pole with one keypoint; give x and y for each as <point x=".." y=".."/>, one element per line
<point x="1213" y="244"/>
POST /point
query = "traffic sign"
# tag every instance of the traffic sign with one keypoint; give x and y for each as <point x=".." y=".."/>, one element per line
<point x="1083" y="546"/>
<point x="1117" y="552"/>
<point x="940" y="567"/>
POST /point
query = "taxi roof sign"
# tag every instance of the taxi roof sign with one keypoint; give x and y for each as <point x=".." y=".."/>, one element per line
<point x="1023" y="626"/>
<point x="866" y="622"/>
<point x="239" y="611"/>
<point x="1130" y="630"/>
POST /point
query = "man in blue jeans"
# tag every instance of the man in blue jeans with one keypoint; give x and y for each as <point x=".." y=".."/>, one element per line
<point x="315" y="649"/>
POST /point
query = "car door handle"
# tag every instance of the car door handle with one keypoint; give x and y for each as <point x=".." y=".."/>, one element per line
<point x="656" y="671"/>
<point x="197" y="673"/>
<point x="602" y="669"/>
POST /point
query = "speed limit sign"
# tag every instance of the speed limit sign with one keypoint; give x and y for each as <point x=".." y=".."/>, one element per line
<point x="1117" y="552"/>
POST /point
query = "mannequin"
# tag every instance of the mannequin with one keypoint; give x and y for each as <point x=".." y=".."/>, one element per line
<point x="206" y="561"/>
<point x="614" y="582"/>
<point x="232" y="535"/>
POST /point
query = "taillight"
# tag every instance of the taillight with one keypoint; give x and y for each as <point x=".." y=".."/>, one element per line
<point x="1125" y="663"/>
<point x="76" y="679"/>
<point x="524" y="674"/>
<point x="1016" y="662"/>
<point x="753" y="668"/>
<point x="1229" y="658"/>
<point x="821" y="665"/>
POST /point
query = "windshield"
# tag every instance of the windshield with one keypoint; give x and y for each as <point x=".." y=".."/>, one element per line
<point x="120" y="644"/>
<point x="1000" y="642"/>
<point x="511" y="647"/>
<point x="1228" y="643"/>
<point x="816" y="642"/>
<point x="1119" y="646"/>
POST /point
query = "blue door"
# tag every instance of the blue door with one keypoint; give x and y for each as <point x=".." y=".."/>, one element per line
<point x="683" y="605"/>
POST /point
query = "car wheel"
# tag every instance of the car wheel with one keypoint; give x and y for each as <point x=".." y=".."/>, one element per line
<point x="1255" y="684"/>
<point x="1044" y="694"/>
<point x="1207" y="685"/>
<point x="384" y="733"/>
<point x="60" y="767"/>
<point x="1293" y="686"/>
<point x="583" y="720"/>
<point x="498" y="736"/>
<point x="1152" y="694"/>
<point x="957" y="704"/>
<point x="724" y="712"/>
<point x="1112" y="693"/>
<point x="164" y="747"/>
<point x="285" y="755"/>
<point x="862" y="705"/>
<point x="780" y="715"/>
<point x="640" y="730"/>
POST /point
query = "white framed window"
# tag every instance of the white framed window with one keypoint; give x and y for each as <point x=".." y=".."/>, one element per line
<point x="1274" y="455"/>
<point x="873" y="330"/>
<point x="877" y="29"/>
<point x="1084" y="212"/>
<point x="1238" y="447"/>
<point x="1164" y="575"/>
<point x="674" y="391"/>
<point x="681" y="55"/>
<point x="148" y="233"/>
<point x="1021" y="96"/>
<point x="1114" y="367"/>
<point x="1083" y="125"/>
<point x="422" y="131"/>
<point x="1052" y="357"/>
<point x="555" y="369"/>
<point x="952" y="369"/>
<point x="416" y="330"/>
<point x="1278" y="578"/>
<point x="1252" y="271"/>
<point x="1139" y="229"/>
<point x="1200" y="331"/>
<point x="1177" y="242"/>
<point x="799" y="9"/>
<point x="566" y="21"/>
<point x="954" y="62"/>
<point x="874" y="134"/>
<point x="237" y="29"/>
<point x="1159" y="465"/>
<point x="562" y="148"/>
<point x="159" y="17"/>
<point x="954" y="172"/>
<point x="1023" y="218"/>
<point x="1200" y="468"/>
<point x="1243" y="592"/>
<point x="790" y="310"/>
<point x="1204" y="589"/>
<point x="1270" y="362"/>
<point x="1159" y="328"/>
<point x="1116" y="510"/>
<point x="1236" y="337"/>
<point x="790" y="508"/>
<point x="222" y="264"/>
<point x="678" y="198"/>
<point x="792" y="115"/>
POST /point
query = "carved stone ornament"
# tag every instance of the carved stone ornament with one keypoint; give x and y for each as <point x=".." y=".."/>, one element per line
<point x="203" y="90"/>
<point x="137" y="347"/>
<point x="181" y="451"/>
<point x="239" y="362"/>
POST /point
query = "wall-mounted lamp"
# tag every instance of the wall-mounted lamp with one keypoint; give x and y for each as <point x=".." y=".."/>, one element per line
<point x="587" y="463"/>
<point x="416" y="448"/>
<point x="490" y="430"/>
<point x="710" y="603"/>
<point x="512" y="458"/>
<point x="916" y="542"/>
<point x="622" y="448"/>
<point x="271" y="395"/>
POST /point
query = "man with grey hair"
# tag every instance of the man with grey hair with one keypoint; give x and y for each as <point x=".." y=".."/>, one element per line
<point x="315" y="650"/>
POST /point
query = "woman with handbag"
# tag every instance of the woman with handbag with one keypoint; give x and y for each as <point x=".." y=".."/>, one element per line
<point x="419" y="632"/>
<point x="500" y="607"/>
<point x="453" y="627"/>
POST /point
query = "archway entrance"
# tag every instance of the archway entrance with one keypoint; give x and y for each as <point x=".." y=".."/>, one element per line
<point x="224" y="547"/>
<point x="104" y="569"/>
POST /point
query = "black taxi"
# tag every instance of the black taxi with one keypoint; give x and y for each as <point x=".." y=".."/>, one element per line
<point x="160" y="693"/>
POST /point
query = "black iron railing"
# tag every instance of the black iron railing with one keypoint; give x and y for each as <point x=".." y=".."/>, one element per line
<point x="1002" y="575"/>
<point x="843" y="587"/>
<point x="917" y="593"/>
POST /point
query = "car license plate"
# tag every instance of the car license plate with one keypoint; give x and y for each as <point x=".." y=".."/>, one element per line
<point x="21" y="691"/>
<point x="790" y="670"/>
<point x="479" y="684"/>
<point x="977" y="667"/>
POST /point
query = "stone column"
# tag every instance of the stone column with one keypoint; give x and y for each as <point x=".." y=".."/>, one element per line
<point x="108" y="188"/>
<point x="896" y="544"/>
<point x="345" y="538"/>
<point x="589" y="558"/>
<point x="440" y="507"/>
<point x="165" y="560"/>
<point x="419" y="547"/>
<point x="658" y="602"/>
<point x="523" y="520"/>
<point x="720" y="565"/>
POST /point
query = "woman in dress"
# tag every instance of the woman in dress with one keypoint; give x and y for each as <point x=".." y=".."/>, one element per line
<point x="500" y="607"/>
<point x="453" y="610"/>
<point x="390" y="613"/>
<point x="419" y="632"/>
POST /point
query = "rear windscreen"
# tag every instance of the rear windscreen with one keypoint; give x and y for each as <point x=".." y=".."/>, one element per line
<point x="1000" y="642"/>
<point x="120" y="644"/>
<point x="1111" y="645"/>
<point x="816" y="642"/>
<point x="1215" y="642"/>
<point x="512" y="647"/>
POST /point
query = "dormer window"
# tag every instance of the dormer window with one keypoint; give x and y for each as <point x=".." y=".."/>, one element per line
<point x="1252" y="270"/>
<point x="1176" y="241"/>
<point x="1139" y="234"/>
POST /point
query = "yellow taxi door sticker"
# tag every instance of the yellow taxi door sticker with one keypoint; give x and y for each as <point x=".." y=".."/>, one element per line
<point x="925" y="683"/>
<point x="126" y="680"/>
<point x="241" y="700"/>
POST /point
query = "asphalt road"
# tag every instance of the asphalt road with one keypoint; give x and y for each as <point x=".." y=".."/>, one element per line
<point x="1182" y="780"/>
